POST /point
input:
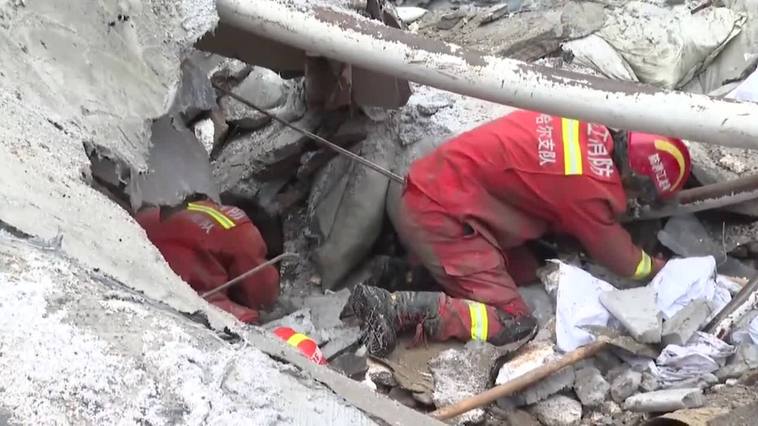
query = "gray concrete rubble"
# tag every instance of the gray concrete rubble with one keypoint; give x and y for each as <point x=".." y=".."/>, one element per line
<point x="527" y="35"/>
<point x="558" y="410"/>
<point x="540" y="303"/>
<point x="531" y="356"/>
<point x="665" y="400"/>
<point x="590" y="386"/>
<point x="625" y="385"/>
<point x="635" y="308"/>
<point x="113" y="355"/>
<point x="679" y="328"/>
<point x="745" y="358"/>
<point x="686" y="236"/>
<point x="380" y="374"/>
<point x="52" y="100"/>
<point x="459" y="374"/>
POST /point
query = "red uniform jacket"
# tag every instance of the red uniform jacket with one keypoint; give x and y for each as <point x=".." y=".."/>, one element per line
<point x="525" y="174"/>
<point x="207" y="244"/>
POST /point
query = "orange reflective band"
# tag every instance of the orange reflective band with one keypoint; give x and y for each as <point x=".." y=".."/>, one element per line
<point x="572" y="153"/>
<point x="669" y="147"/>
<point x="219" y="217"/>
<point x="296" y="339"/>
<point x="644" y="268"/>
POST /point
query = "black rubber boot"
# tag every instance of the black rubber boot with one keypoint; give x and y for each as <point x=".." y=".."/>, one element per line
<point x="386" y="314"/>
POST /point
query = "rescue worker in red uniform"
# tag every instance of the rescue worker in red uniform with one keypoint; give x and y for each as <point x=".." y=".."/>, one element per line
<point x="468" y="208"/>
<point x="208" y="244"/>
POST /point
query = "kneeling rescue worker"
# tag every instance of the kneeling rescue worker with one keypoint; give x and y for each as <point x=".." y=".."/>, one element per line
<point x="208" y="244"/>
<point x="469" y="206"/>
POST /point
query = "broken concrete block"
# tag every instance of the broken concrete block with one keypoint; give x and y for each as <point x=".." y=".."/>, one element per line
<point x="531" y="356"/>
<point x="195" y="94"/>
<point x="541" y="304"/>
<point x="745" y="358"/>
<point x="459" y="374"/>
<point x="263" y="88"/>
<point x="665" y="400"/>
<point x="625" y="385"/>
<point x="558" y="410"/>
<point x="649" y="382"/>
<point x="637" y="311"/>
<point x="380" y="374"/>
<point x="590" y="386"/>
<point x="679" y="328"/>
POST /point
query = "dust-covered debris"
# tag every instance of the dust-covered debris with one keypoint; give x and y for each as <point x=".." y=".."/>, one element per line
<point x="103" y="354"/>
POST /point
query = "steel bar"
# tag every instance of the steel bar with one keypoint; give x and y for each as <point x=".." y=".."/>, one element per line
<point x="693" y="207"/>
<point x="718" y="190"/>
<point x="344" y="36"/>
<point x="347" y="153"/>
<point x="244" y="275"/>
<point x="742" y="302"/>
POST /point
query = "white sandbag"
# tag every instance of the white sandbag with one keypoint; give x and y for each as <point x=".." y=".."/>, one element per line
<point x="668" y="47"/>
<point x="594" y="52"/>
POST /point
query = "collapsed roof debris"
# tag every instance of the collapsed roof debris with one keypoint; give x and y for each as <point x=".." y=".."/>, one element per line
<point x="338" y="215"/>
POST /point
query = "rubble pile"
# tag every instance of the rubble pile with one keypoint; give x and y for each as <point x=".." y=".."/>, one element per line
<point x="331" y="211"/>
<point x="194" y="364"/>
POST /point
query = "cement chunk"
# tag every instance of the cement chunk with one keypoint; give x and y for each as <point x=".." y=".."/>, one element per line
<point x="625" y="385"/>
<point x="665" y="400"/>
<point x="590" y="386"/>
<point x="637" y="311"/>
<point x="531" y="356"/>
<point x="558" y="410"/>
<point x="679" y="328"/>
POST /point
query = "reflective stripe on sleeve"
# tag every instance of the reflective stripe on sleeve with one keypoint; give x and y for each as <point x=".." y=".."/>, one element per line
<point x="219" y="217"/>
<point x="572" y="154"/>
<point x="644" y="268"/>
<point x="296" y="339"/>
<point x="479" y="323"/>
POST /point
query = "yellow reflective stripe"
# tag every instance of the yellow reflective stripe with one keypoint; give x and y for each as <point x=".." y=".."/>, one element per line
<point x="572" y="154"/>
<point x="296" y="339"/>
<point x="219" y="217"/>
<point x="644" y="267"/>
<point x="478" y="314"/>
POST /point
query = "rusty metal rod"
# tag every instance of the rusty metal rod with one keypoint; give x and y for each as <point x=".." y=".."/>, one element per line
<point x="340" y="150"/>
<point x="702" y="198"/>
<point x="237" y="279"/>
<point x="520" y="382"/>
<point x="718" y="190"/>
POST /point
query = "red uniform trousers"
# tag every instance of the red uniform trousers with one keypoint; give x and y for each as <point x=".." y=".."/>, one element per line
<point x="468" y="266"/>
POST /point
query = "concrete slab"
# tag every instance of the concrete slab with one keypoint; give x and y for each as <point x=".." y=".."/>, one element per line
<point x="637" y="311"/>
<point x="558" y="410"/>
<point x="531" y="356"/>
<point x="679" y="328"/>
<point x="590" y="386"/>
<point x="625" y="385"/>
<point x="665" y="400"/>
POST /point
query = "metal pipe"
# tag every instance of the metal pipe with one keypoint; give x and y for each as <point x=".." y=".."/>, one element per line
<point x="347" y="153"/>
<point x="648" y="212"/>
<point x="244" y="275"/>
<point x="350" y="38"/>
<point x="740" y="304"/>
<point x="718" y="190"/>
